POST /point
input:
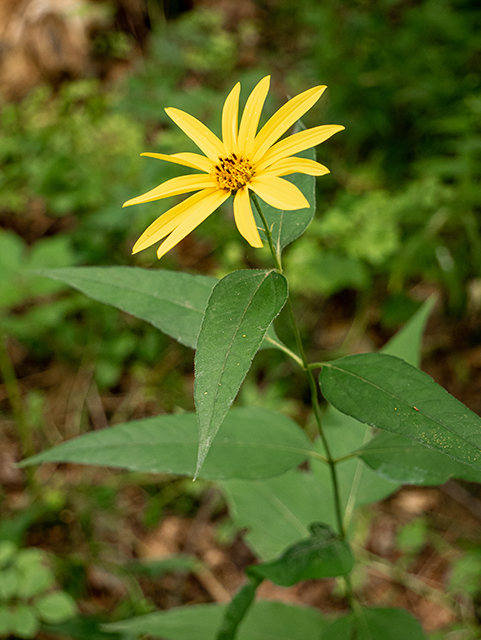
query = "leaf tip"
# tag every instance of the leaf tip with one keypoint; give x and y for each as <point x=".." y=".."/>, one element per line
<point x="204" y="446"/>
<point x="200" y="461"/>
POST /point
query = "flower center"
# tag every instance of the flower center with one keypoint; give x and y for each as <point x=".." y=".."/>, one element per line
<point x="232" y="172"/>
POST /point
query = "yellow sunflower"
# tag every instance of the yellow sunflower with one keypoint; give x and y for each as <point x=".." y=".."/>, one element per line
<point x="243" y="160"/>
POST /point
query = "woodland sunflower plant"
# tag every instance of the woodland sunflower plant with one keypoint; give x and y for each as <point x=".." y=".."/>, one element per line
<point x="381" y="422"/>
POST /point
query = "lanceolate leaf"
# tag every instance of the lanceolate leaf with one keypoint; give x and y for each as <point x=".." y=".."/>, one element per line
<point x="387" y="393"/>
<point x="397" y="458"/>
<point x="239" y="313"/>
<point x="171" y="301"/>
<point x="322" y="555"/>
<point x="256" y="443"/>
<point x="406" y="344"/>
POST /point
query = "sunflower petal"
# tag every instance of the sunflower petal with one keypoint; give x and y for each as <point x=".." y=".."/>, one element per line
<point x="298" y="142"/>
<point x="230" y="118"/>
<point x="283" y="119"/>
<point x="169" y="220"/>
<point x="203" y="137"/>
<point x="296" y="165"/>
<point x="198" y="213"/>
<point x="192" y="160"/>
<point x="251" y="115"/>
<point x="278" y="193"/>
<point x="173" y="187"/>
<point x="244" y="218"/>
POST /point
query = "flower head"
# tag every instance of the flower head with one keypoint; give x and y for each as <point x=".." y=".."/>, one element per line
<point x="243" y="160"/>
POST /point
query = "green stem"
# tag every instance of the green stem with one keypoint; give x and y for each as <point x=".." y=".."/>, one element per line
<point x="282" y="347"/>
<point x="312" y="383"/>
<point x="315" y="404"/>
<point x="317" y="365"/>
<point x="275" y="255"/>
<point x="330" y="459"/>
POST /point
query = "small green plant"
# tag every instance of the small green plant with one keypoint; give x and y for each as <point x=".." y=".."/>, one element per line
<point x="28" y="594"/>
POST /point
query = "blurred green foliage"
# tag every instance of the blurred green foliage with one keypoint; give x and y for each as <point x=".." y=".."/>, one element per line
<point x="71" y="150"/>
<point x="67" y="155"/>
<point x="27" y="594"/>
<point x="401" y="206"/>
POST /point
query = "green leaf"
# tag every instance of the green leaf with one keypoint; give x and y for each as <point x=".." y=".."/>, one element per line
<point x="181" y="623"/>
<point x="387" y="393"/>
<point x="256" y="443"/>
<point x="402" y="460"/>
<point x="273" y="620"/>
<point x="34" y="575"/>
<point x="406" y="344"/>
<point x="399" y="459"/>
<point x="322" y="555"/>
<point x="277" y="512"/>
<point x="23" y="621"/>
<point x="56" y="607"/>
<point x="286" y="226"/>
<point x="30" y="557"/>
<point x="34" y="579"/>
<point x="375" y="624"/>
<point x="171" y="301"/>
<point x="279" y="621"/>
<point x="239" y="312"/>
